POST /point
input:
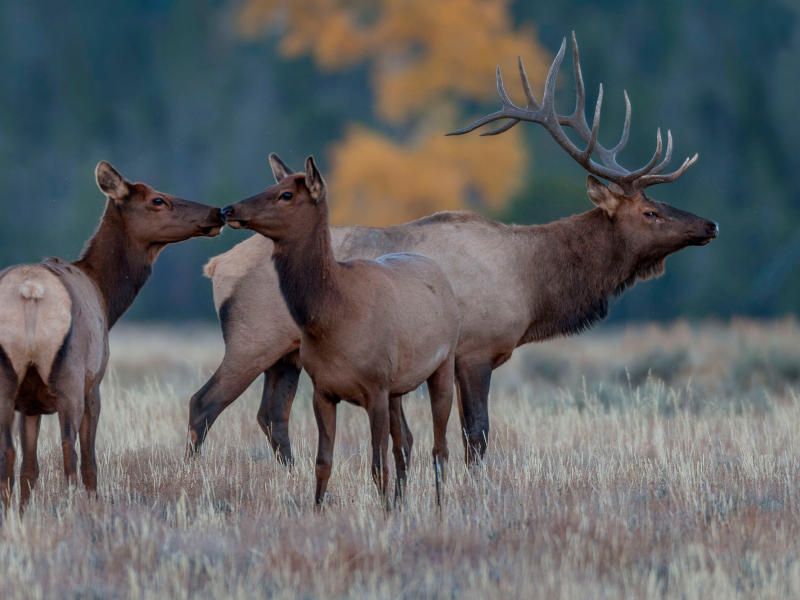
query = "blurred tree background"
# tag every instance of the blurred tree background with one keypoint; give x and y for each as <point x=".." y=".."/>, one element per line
<point x="192" y="95"/>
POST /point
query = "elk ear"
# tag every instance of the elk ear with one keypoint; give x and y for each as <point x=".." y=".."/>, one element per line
<point x="110" y="182"/>
<point x="279" y="168"/>
<point x="314" y="181"/>
<point x="601" y="195"/>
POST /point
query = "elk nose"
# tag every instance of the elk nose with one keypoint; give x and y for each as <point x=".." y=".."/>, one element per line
<point x="712" y="228"/>
<point x="227" y="212"/>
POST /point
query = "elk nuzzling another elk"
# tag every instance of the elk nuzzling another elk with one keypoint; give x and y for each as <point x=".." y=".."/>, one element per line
<point x="371" y="330"/>
<point x="56" y="315"/>
<point x="514" y="284"/>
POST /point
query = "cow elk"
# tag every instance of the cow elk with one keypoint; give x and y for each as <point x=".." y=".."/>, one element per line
<point x="56" y="315"/>
<point x="514" y="284"/>
<point x="371" y="330"/>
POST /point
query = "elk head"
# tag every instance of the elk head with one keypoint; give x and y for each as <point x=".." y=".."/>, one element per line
<point x="648" y="230"/>
<point x="153" y="219"/>
<point x="288" y="209"/>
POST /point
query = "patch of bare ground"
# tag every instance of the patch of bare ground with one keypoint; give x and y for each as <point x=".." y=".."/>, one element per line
<point x="645" y="462"/>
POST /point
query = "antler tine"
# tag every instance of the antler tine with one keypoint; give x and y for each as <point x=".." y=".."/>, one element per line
<point x="626" y="129"/>
<point x="649" y="166"/>
<point x="577" y="120"/>
<point x="501" y="129"/>
<point x="667" y="157"/>
<point x="479" y="123"/>
<point x="501" y="89"/>
<point x="507" y="112"/>
<point x="595" y="123"/>
<point x="580" y="101"/>
<point x="548" y="99"/>
<point x="532" y="103"/>
<point x="507" y="103"/>
<point x="649" y="180"/>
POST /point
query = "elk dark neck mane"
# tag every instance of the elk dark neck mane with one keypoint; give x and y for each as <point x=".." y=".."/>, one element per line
<point x="308" y="274"/>
<point x="115" y="264"/>
<point x="577" y="264"/>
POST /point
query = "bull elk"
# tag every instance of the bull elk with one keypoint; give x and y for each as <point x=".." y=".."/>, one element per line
<point x="514" y="284"/>
<point x="371" y="330"/>
<point x="56" y="315"/>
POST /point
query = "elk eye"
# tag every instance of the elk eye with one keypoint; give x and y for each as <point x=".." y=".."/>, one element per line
<point x="650" y="215"/>
<point x="159" y="202"/>
<point x="286" y="196"/>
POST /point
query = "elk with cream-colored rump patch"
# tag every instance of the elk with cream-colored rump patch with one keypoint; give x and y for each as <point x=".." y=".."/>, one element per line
<point x="371" y="330"/>
<point x="55" y="317"/>
<point x="514" y="284"/>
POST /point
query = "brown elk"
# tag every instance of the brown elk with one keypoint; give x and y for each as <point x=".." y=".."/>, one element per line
<point x="56" y="315"/>
<point x="371" y="330"/>
<point x="514" y="284"/>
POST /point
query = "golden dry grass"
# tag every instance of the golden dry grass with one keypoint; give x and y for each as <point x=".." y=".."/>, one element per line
<point x="600" y="482"/>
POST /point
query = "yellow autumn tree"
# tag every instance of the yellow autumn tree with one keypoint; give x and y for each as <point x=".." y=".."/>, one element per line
<point x="425" y="56"/>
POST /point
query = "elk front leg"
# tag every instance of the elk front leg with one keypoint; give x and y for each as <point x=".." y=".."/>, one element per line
<point x="398" y="444"/>
<point x="88" y="434"/>
<point x="440" y="389"/>
<point x="325" y="414"/>
<point x="378" y="409"/>
<point x="280" y="387"/>
<point x="29" y="426"/>
<point x="473" y="403"/>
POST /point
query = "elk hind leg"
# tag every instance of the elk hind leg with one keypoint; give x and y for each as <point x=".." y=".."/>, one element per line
<point x="70" y="390"/>
<point x="440" y="388"/>
<point x="408" y="439"/>
<point x="230" y="380"/>
<point x="396" y="425"/>
<point x="280" y="387"/>
<point x="8" y="456"/>
<point x="29" y="426"/>
<point x="378" y="409"/>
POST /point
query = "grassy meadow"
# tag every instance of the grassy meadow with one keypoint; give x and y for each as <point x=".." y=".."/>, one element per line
<point x="627" y="463"/>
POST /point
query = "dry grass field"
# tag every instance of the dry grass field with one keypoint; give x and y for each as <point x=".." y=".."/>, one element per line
<point x="642" y="462"/>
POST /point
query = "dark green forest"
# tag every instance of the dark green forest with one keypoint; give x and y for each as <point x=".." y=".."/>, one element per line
<point x="172" y="94"/>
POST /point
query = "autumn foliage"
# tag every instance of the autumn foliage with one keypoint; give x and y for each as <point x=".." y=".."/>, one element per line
<point x="426" y="58"/>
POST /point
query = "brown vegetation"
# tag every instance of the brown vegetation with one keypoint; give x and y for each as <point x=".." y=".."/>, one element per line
<point x="589" y="490"/>
<point x="56" y="316"/>
<point x="372" y="331"/>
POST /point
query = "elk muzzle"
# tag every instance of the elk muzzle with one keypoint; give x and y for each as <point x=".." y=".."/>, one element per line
<point x="229" y="214"/>
<point x="710" y="231"/>
<point x="213" y="225"/>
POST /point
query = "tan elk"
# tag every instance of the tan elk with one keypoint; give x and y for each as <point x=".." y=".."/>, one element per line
<point x="514" y="284"/>
<point x="55" y="317"/>
<point x="371" y="330"/>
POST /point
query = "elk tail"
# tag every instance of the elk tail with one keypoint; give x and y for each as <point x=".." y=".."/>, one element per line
<point x="32" y="292"/>
<point x="210" y="267"/>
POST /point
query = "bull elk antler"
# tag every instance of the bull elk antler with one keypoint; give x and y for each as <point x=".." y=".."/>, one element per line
<point x="631" y="182"/>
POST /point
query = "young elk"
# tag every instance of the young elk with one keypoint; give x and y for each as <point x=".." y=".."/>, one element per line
<point x="514" y="285"/>
<point x="56" y="315"/>
<point x="371" y="330"/>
